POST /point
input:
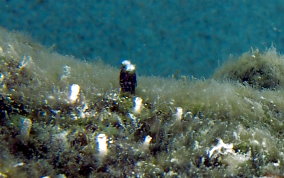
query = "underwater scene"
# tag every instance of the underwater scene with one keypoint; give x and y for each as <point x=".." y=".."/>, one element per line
<point x="174" y="88"/>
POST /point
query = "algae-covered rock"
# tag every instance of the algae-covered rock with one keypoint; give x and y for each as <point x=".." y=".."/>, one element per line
<point x="62" y="117"/>
<point x="259" y="70"/>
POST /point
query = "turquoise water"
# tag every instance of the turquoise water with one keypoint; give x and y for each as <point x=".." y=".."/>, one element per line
<point x="180" y="37"/>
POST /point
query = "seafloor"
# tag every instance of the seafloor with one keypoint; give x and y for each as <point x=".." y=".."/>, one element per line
<point x="230" y="125"/>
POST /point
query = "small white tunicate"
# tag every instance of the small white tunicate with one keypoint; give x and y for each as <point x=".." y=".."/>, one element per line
<point x="26" y="60"/>
<point x="179" y="113"/>
<point x="236" y="135"/>
<point x="188" y="115"/>
<point x="221" y="148"/>
<point x="66" y="72"/>
<point x="133" y="118"/>
<point x="276" y="164"/>
<point x="82" y="110"/>
<point x="19" y="164"/>
<point x="1" y="51"/>
<point x="137" y="105"/>
<point x="61" y="176"/>
<point x="174" y="160"/>
<point x="74" y="92"/>
<point x="25" y="127"/>
<point x="147" y="141"/>
<point x="255" y="142"/>
<point x="102" y="144"/>
<point x="1" y="77"/>
<point x="120" y="122"/>
<point x="196" y="145"/>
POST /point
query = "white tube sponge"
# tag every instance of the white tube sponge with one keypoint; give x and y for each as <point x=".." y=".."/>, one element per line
<point x="137" y="105"/>
<point x="147" y="140"/>
<point x="146" y="143"/>
<point x="102" y="144"/>
<point x="74" y="93"/>
<point x="179" y="113"/>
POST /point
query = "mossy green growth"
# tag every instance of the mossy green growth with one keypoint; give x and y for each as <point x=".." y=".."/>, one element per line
<point x="227" y="126"/>
<point x="257" y="69"/>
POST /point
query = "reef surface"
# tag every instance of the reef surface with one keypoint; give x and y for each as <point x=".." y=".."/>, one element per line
<point x="62" y="117"/>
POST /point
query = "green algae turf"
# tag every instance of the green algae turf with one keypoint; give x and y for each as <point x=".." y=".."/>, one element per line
<point x="62" y="139"/>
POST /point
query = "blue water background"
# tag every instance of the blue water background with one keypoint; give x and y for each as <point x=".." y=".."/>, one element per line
<point x="162" y="37"/>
